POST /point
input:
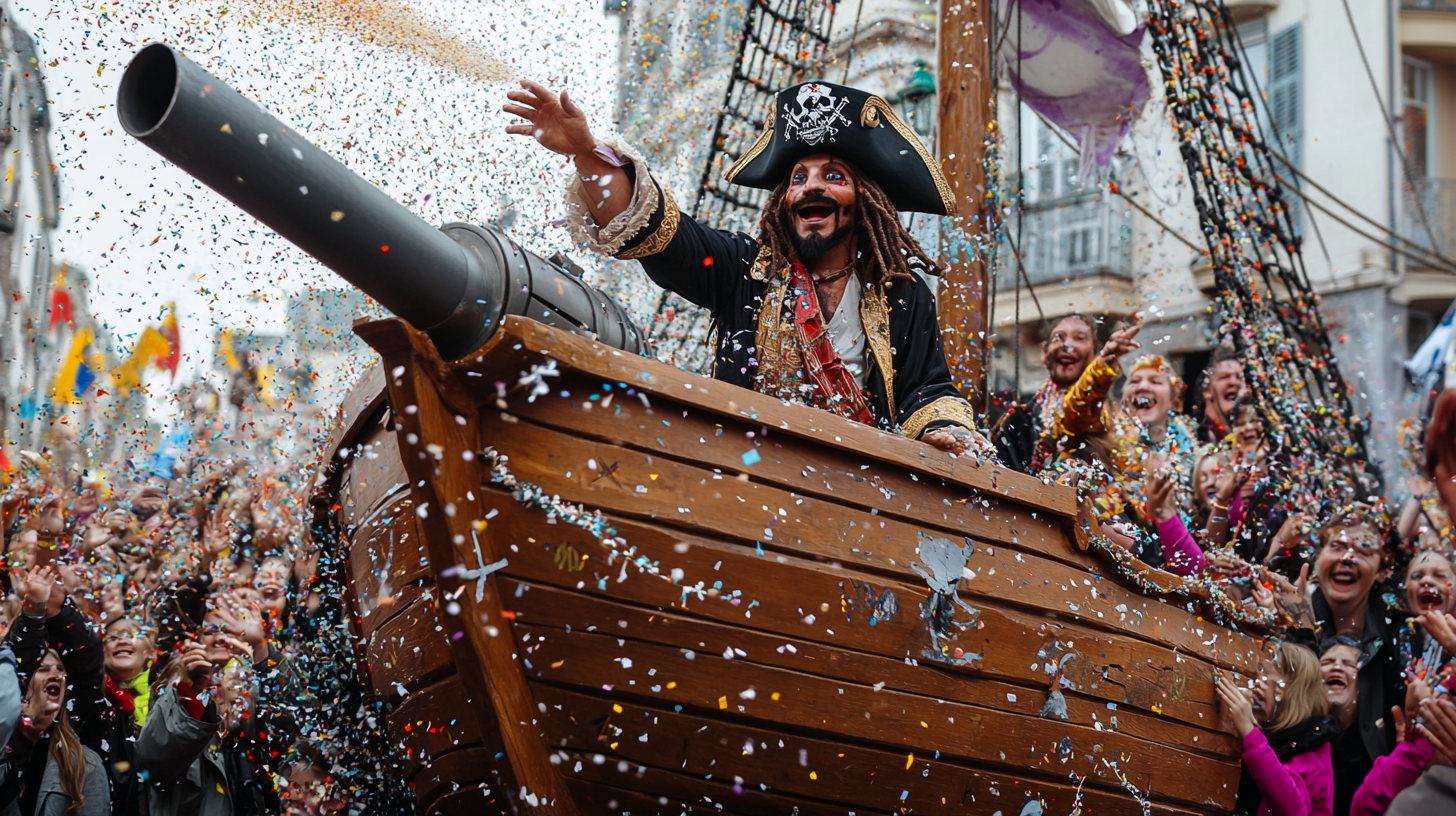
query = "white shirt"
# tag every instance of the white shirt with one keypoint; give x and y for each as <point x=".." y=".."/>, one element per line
<point x="846" y="331"/>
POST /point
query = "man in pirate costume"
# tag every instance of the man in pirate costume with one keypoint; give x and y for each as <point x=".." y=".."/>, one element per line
<point x="824" y="307"/>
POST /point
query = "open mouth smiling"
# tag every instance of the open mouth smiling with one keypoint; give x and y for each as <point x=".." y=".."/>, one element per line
<point x="1429" y="597"/>
<point x="53" y="688"/>
<point x="815" y="213"/>
<point x="1336" y="683"/>
<point x="1345" y="576"/>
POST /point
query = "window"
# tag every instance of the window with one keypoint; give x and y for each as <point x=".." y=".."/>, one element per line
<point x="1284" y="93"/>
<point x="1417" y="81"/>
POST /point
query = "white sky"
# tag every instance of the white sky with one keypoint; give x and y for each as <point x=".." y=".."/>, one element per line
<point x="149" y="234"/>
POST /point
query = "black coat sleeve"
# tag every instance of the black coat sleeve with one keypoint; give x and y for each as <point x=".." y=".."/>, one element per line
<point x="704" y="265"/>
<point x="82" y="653"/>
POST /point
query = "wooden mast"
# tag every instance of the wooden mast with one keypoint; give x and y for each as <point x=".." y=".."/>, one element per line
<point x="963" y="79"/>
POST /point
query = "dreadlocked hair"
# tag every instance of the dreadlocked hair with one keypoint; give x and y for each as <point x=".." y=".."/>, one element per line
<point x="885" y="250"/>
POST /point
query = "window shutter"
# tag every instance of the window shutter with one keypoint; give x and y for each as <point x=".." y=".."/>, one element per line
<point x="1286" y="108"/>
<point x="1285" y="95"/>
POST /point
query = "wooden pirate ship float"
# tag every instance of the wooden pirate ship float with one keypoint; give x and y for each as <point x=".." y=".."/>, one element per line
<point x="778" y="610"/>
<point x="588" y="582"/>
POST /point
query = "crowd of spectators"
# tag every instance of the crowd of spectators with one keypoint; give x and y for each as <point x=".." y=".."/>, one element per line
<point x="153" y="636"/>
<point x="1349" y="712"/>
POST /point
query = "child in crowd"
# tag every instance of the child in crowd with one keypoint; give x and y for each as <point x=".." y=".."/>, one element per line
<point x="1287" y="758"/>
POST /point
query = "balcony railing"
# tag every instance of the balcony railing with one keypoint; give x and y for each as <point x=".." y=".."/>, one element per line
<point x="1069" y="238"/>
<point x="1437" y="199"/>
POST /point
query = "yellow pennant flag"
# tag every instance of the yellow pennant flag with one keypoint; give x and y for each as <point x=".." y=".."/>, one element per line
<point x="150" y="348"/>
<point x="74" y="377"/>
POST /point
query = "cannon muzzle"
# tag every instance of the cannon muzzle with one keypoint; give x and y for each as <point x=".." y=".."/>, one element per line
<point x="454" y="283"/>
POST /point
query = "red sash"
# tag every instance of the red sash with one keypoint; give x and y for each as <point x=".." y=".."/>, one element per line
<point x="834" y="387"/>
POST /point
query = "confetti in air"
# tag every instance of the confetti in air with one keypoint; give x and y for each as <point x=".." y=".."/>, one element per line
<point x="389" y="24"/>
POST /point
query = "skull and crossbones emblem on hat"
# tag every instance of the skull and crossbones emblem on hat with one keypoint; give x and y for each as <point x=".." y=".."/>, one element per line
<point x="817" y="115"/>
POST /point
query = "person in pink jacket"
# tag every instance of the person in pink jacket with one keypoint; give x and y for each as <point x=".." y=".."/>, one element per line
<point x="1431" y="739"/>
<point x="1287" y="768"/>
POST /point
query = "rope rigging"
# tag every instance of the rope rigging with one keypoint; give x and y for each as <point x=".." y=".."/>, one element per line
<point x="782" y="42"/>
<point x="1269" y="310"/>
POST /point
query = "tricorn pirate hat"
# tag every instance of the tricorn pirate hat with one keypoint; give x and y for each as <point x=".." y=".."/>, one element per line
<point x="821" y="117"/>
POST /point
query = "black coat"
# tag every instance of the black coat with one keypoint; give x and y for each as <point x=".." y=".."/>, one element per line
<point x="1380" y="681"/>
<point x="720" y="271"/>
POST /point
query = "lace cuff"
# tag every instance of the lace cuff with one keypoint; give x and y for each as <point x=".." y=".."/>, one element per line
<point x="610" y="239"/>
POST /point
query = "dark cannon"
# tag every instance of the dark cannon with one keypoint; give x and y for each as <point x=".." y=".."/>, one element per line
<point x="455" y="283"/>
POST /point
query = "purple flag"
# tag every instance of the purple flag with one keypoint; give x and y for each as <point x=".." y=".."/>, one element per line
<point x="1078" y="63"/>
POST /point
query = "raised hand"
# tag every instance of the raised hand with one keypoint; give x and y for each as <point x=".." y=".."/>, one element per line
<point x="195" y="666"/>
<point x="1236" y="704"/>
<point x="1158" y="494"/>
<point x="1294" y="597"/>
<point x="1442" y="628"/>
<point x="958" y="440"/>
<point x="40" y="583"/>
<point x="243" y="628"/>
<point x="1438" y="716"/>
<point x="556" y="122"/>
<point x="1123" y="341"/>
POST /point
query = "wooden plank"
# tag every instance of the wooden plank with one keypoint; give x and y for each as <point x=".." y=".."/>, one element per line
<point x="522" y="342"/>
<point x="845" y="774"/>
<point x="819" y="603"/>
<point x="434" y="720"/>
<point x="608" y="799"/>
<point x="374" y="472"/>
<point x="409" y="651"/>
<point x="471" y="801"/>
<point x="828" y="474"/>
<point x="454" y="772"/>
<point x="387" y="567"/>
<point x="438" y="429"/>
<point x="358" y="404"/>
<point x="696" y="499"/>
<point x="794" y="702"/>
<point x="538" y="605"/>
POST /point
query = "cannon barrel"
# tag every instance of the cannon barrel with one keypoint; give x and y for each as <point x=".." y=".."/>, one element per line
<point x="454" y="283"/>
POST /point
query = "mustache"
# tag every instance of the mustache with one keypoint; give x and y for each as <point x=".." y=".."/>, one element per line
<point x="819" y="200"/>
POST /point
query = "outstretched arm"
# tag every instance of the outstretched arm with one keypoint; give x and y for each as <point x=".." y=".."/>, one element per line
<point x="561" y="127"/>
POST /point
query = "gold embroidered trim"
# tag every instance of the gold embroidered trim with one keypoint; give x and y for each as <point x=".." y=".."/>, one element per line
<point x="661" y="237"/>
<point x="779" y="365"/>
<point x="874" y="314"/>
<point x="887" y="112"/>
<point x="759" y="270"/>
<point x="954" y="409"/>
<point x="761" y="144"/>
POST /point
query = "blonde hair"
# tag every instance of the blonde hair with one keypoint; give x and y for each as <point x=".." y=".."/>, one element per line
<point x="1304" y="695"/>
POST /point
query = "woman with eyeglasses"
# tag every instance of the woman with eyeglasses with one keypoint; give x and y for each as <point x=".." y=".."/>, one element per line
<point x="1350" y="567"/>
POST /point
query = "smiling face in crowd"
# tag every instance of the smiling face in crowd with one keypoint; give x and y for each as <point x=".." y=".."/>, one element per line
<point x="1339" y="670"/>
<point x="128" y="651"/>
<point x="1225" y="386"/>
<point x="1348" y="563"/>
<point x="1428" y="584"/>
<point x="1148" y="395"/>
<point x="1068" y="350"/>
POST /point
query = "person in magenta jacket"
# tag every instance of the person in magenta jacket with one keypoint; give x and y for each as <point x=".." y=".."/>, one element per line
<point x="1181" y="554"/>
<point x="1287" y="768"/>
<point x="1429" y="741"/>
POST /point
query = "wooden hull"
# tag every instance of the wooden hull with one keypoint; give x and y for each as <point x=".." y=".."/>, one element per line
<point x="800" y="615"/>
